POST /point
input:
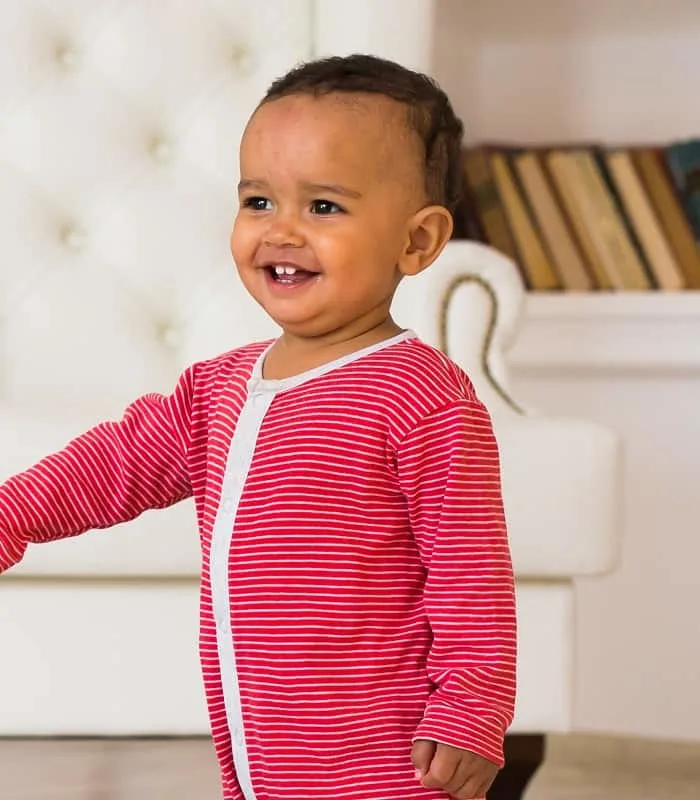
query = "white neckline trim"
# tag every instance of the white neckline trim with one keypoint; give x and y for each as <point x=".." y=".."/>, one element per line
<point x="259" y="384"/>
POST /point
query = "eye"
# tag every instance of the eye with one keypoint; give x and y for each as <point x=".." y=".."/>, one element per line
<point x="257" y="203"/>
<point x="325" y="207"/>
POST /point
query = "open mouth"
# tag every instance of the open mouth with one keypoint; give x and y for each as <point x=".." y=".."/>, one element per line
<point x="285" y="275"/>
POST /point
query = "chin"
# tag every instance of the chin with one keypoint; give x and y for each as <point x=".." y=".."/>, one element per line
<point x="300" y="328"/>
<point x="297" y="321"/>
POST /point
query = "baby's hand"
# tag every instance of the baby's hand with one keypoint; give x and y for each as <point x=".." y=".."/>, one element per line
<point x="459" y="772"/>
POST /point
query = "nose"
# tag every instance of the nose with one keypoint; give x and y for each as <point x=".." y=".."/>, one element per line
<point x="284" y="231"/>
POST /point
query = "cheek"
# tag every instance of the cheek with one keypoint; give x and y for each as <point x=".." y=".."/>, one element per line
<point x="242" y="242"/>
<point x="342" y="240"/>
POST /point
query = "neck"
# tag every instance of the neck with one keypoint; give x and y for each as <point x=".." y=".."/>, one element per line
<point x="292" y="354"/>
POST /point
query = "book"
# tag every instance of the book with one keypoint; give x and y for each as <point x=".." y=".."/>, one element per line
<point x="487" y="203"/>
<point x="650" y="163"/>
<point x="643" y="218"/>
<point x="539" y="272"/>
<point x="605" y="225"/>
<point x="598" y="154"/>
<point x="546" y="210"/>
<point x="565" y="176"/>
<point x="683" y="159"/>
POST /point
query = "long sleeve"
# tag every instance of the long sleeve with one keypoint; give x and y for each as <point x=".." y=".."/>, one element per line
<point x="449" y="471"/>
<point x="111" y="474"/>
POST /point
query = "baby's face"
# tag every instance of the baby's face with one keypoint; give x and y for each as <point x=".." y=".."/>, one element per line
<point x="328" y="189"/>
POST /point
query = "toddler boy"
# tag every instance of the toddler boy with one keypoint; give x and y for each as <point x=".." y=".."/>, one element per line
<point x="357" y="594"/>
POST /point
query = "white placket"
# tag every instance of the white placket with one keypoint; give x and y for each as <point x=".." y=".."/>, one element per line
<point x="238" y="463"/>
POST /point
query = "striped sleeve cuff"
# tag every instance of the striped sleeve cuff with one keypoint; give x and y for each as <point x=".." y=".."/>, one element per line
<point x="482" y="734"/>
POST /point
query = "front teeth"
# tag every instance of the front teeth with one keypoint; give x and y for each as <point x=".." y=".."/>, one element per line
<point x="279" y="270"/>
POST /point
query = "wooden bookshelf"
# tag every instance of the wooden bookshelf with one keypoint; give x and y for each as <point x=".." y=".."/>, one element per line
<point x="580" y="73"/>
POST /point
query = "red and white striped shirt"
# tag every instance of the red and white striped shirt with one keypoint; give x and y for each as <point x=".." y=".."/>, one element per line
<point x="357" y="589"/>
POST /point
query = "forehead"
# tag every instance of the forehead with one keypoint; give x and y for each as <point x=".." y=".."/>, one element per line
<point x="356" y="131"/>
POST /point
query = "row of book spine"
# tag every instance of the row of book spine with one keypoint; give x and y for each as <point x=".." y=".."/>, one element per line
<point x="588" y="217"/>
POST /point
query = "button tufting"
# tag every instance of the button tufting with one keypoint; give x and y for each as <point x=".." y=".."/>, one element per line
<point x="74" y="237"/>
<point x="68" y="56"/>
<point x="170" y="336"/>
<point x="242" y="59"/>
<point x="161" y="149"/>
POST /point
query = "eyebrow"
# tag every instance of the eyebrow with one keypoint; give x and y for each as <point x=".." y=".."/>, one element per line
<point x="314" y="188"/>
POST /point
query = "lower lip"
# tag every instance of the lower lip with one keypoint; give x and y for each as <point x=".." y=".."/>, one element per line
<point x="284" y="286"/>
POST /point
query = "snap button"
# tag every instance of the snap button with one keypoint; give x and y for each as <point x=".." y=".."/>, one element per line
<point x="222" y="624"/>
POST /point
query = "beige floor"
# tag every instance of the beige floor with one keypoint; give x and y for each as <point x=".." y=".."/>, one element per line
<point x="601" y="768"/>
<point x="577" y="769"/>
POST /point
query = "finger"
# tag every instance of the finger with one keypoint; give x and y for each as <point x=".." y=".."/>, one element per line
<point x="471" y="790"/>
<point x="442" y="767"/>
<point x="487" y="784"/>
<point x="421" y="756"/>
<point x="477" y="780"/>
<point x="464" y="770"/>
<point x="483" y="786"/>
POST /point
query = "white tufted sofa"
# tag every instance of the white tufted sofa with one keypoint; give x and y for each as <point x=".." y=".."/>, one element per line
<point x="119" y="125"/>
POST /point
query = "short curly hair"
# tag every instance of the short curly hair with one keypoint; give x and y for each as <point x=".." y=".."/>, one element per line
<point x="430" y="113"/>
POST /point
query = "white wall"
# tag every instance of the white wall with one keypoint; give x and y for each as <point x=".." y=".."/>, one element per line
<point x="547" y="70"/>
<point x="638" y="642"/>
<point x="616" y="71"/>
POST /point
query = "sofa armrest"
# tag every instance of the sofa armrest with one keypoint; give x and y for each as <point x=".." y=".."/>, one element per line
<point x="562" y="478"/>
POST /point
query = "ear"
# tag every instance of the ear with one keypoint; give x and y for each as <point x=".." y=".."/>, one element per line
<point x="429" y="231"/>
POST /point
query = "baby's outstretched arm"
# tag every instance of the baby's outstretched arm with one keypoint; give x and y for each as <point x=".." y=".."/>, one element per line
<point x="449" y="471"/>
<point x="108" y="475"/>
